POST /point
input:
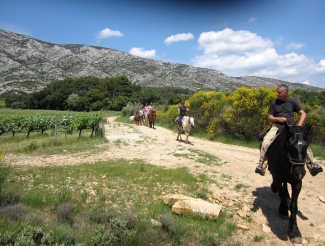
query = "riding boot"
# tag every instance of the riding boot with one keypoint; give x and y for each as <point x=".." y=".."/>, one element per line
<point x="261" y="167"/>
<point x="314" y="168"/>
<point x="180" y="126"/>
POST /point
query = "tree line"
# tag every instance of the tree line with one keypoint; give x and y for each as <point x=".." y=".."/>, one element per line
<point x="241" y="113"/>
<point x="92" y="94"/>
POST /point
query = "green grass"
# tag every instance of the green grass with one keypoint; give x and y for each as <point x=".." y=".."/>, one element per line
<point x="114" y="189"/>
<point x="48" y="144"/>
<point x="318" y="151"/>
<point x="258" y="238"/>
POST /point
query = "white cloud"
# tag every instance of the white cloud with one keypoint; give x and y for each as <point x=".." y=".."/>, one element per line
<point x="306" y="82"/>
<point x="252" y="20"/>
<point x="143" y="53"/>
<point x="106" y="33"/>
<point x="294" y="46"/>
<point x="178" y="37"/>
<point x="242" y="53"/>
<point x="228" y="42"/>
<point x="320" y="67"/>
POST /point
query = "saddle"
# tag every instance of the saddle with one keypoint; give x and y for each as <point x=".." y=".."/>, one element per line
<point x="180" y="127"/>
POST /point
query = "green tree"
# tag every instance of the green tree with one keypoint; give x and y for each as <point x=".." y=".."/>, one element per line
<point x="72" y="101"/>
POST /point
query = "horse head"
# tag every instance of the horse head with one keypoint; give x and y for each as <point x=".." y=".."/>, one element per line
<point x="192" y="121"/>
<point x="152" y="114"/>
<point x="295" y="146"/>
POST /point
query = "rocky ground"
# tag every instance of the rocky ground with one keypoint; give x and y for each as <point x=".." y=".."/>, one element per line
<point x="254" y="204"/>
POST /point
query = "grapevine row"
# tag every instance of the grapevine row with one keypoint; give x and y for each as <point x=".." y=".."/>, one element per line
<point x="41" y="123"/>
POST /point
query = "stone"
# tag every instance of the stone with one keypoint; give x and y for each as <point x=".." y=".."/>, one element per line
<point x="266" y="228"/>
<point x="173" y="198"/>
<point x="241" y="213"/>
<point x="188" y="205"/>
<point x="218" y="198"/>
<point x="242" y="227"/>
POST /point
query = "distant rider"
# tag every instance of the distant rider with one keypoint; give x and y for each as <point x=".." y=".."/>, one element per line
<point x="182" y="112"/>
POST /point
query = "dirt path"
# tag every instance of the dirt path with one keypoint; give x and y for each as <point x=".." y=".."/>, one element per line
<point x="235" y="166"/>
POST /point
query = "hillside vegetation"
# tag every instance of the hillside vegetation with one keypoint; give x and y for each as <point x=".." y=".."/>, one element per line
<point x="28" y="65"/>
<point x="240" y="114"/>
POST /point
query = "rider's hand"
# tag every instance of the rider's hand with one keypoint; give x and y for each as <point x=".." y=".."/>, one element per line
<point x="282" y="119"/>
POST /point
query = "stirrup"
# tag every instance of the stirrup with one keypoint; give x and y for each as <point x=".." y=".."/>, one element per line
<point x="315" y="169"/>
<point x="260" y="170"/>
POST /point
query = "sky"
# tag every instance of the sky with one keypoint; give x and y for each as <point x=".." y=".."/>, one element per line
<point x="280" y="39"/>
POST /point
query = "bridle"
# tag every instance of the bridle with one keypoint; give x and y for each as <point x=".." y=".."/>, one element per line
<point x="295" y="162"/>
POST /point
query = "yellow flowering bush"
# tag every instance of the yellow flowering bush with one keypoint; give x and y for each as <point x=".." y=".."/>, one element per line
<point x="248" y="114"/>
<point x="242" y="113"/>
<point x="317" y="123"/>
<point x="208" y="108"/>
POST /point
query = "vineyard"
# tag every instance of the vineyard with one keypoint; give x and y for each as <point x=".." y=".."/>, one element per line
<point x="58" y="122"/>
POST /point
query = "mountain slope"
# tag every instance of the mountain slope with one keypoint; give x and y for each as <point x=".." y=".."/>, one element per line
<point x="23" y="58"/>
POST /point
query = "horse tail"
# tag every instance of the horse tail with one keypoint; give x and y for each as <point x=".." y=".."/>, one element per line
<point x="175" y="128"/>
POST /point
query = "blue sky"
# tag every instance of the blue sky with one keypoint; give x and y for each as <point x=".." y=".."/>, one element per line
<point x="281" y="39"/>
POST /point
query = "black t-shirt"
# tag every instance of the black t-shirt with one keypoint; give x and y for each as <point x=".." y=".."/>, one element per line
<point x="285" y="109"/>
<point x="182" y="110"/>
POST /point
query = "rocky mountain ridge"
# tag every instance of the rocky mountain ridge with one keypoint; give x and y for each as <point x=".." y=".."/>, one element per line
<point x="28" y="64"/>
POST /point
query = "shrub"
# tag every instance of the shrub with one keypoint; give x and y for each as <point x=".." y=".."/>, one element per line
<point x="65" y="234"/>
<point x="115" y="233"/>
<point x="131" y="108"/>
<point x="98" y="215"/>
<point x="14" y="212"/>
<point x="30" y="235"/>
<point x="65" y="213"/>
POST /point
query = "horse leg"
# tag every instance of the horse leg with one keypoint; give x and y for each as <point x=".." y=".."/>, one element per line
<point x="293" y="231"/>
<point x="179" y="135"/>
<point x="283" y="208"/>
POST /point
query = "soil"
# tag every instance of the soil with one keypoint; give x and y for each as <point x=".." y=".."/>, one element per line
<point x="235" y="167"/>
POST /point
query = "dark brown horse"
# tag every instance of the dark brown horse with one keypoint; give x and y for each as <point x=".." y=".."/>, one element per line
<point x="150" y="118"/>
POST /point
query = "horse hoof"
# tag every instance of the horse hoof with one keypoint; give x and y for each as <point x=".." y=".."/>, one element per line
<point x="296" y="240"/>
<point x="274" y="188"/>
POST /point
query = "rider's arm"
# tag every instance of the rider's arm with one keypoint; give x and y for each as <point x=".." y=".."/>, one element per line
<point x="274" y="119"/>
<point x="302" y="119"/>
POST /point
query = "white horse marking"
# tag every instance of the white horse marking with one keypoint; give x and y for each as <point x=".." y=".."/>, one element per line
<point x="187" y="123"/>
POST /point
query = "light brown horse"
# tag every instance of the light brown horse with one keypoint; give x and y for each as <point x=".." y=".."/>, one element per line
<point x="150" y="118"/>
